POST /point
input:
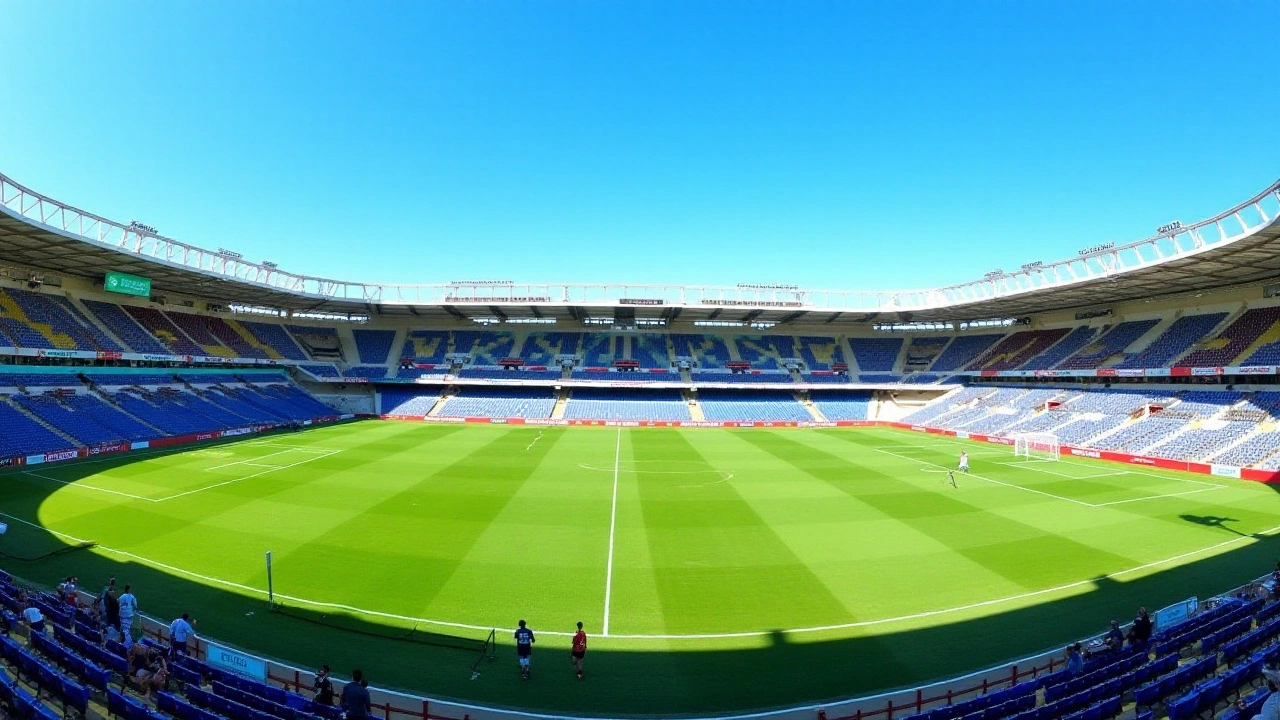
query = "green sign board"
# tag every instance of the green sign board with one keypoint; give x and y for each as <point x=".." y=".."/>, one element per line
<point x="127" y="284"/>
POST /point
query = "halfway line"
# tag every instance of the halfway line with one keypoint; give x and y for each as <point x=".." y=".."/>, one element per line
<point x="613" y="522"/>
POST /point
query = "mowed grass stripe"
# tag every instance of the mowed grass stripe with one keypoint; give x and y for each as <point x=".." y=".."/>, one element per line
<point x="866" y="556"/>
<point x="544" y="552"/>
<point x="417" y="536"/>
<point x="713" y="554"/>
<point x="1148" y="531"/>
<point x="1025" y="554"/>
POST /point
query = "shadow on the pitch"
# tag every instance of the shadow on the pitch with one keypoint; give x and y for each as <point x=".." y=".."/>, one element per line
<point x="1214" y="521"/>
<point x="634" y="677"/>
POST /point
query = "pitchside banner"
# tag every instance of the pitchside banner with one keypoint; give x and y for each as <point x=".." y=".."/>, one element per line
<point x="236" y="662"/>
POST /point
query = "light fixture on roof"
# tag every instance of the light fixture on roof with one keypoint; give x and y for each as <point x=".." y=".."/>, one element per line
<point x="230" y="255"/>
<point x="269" y="264"/>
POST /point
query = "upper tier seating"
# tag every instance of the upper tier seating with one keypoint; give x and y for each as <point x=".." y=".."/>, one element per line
<point x="543" y="348"/>
<point x="876" y="354"/>
<point x="842" y="405"/>
<point x="373" y="346"/>
<point x="922" y="351"/>
<point x="744" y="405"/>
<point x="820" y="353"/>
<point x="163" y="329"/>
<point x="123" y="326"/>
<point x="320" y="343"/>
<point x="765" y="352"/>
<point x="236" y="337"/>
<point x="1016" y="349"/>
<point x="56" y="319"/>
<point x="1239" y="336"/>
<point x="962" y="350"/>
<point x="1109" y="345"/>
<point x="612" y="404"/>
<point x="199" y="330"/>
<point x="601" y="349"/>
<point x="1181" y="335"/>
<point x="709" y="351"/>
<point x="484" y="347"/>
<point x="276" y="338"/>
<point x="1069" y="345"/>
<point x="426" y="347"/>
<point x="500" y="402"/>
<point x="650" y="350"/>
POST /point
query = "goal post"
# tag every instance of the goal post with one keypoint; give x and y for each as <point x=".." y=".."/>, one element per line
<point x="1036" y="446"/>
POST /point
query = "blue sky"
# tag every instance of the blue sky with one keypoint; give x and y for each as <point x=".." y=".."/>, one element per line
<point x="853" y="145"/>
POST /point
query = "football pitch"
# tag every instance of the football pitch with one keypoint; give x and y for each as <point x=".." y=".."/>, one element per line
<point x="714" y="570"/>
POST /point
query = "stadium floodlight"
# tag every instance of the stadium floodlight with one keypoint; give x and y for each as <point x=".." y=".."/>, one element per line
<point x="1033" y="265"/>
<point x="1037" y="446"/>
<point x="141" y="228"/>
<point x="269" y="264"/>
<point x="995" y="274"/>
<point x="767" y="286"/>
<point x="1169" y="228"/>
<point x="228" y="254"/>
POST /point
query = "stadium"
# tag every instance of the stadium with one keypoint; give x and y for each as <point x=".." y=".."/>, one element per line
<point x="749" y="494"/>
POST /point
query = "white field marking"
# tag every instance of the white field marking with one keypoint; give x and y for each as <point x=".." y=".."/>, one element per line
<point x="300" y="448"/>
<point x="1063" y="475"/>
<point x="995" y="482"/>
<point x="265" y="465"/>
<point x="273" y="468"/>
<point x="1211" y="486"/>
<point x="246" y="461"/>
<point x="967" y="443"/>
<point x="613" y="524"/>
<point x="699" y="636"/>
<point x="72" y="483"/>
<point x="1165" y="495"/>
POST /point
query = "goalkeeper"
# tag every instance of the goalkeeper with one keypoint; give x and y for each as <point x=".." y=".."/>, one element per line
<point x="964" y="463"/>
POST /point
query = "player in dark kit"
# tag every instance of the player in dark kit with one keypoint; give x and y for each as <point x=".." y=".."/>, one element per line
<point x="579" y="649"/>
<point x="524" y="648"/>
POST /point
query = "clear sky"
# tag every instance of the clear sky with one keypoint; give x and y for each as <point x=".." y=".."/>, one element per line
<point x="857" y="145"/>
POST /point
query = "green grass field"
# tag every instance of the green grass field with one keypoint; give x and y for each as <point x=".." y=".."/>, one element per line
<point x="735" y="569"/>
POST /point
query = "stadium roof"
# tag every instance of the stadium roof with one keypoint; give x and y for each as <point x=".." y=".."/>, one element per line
<point x="1240" y="246"/>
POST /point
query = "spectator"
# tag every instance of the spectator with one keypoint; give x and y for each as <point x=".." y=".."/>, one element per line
<point x="1075" y="660"/>
<point x="1140" y="631"/>
<point x="110" y="587"/>
<point x="128" y="608"/>
<point x="1115" y="638"/>
<point x="324" y="687"/>
<point x="180" y="631"/>
<point x="111" y="613"/>
<point x="1270" y="708"/>
<point x="34" y="618"/>
<point x="355" y="697"/>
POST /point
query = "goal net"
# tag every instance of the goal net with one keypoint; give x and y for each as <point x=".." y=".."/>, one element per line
<point x="1036" y="446"/>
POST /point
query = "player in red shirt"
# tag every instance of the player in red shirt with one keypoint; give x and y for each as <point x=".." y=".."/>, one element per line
<point x="579" y="649"/>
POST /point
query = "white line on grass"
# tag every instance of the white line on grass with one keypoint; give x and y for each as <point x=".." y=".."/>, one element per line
<point x="1156" y="497"/>
<point x="613" y="524"/>
<point x="996" y="482"/>
<point x="246" y="461"/>
<point x="72" y="483"/>
<point x="246" y="477"/>
<point x="701" y="636"/>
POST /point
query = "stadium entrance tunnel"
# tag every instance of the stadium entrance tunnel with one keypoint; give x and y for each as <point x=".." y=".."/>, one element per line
<point x="626" y="676"/>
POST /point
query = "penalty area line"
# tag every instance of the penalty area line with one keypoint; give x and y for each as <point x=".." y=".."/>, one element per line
<point x="701" y="636"/>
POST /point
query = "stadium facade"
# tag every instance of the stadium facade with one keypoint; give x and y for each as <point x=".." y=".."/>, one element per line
<point x="1161" y="352"/>
<point x="1165" y="350"/>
